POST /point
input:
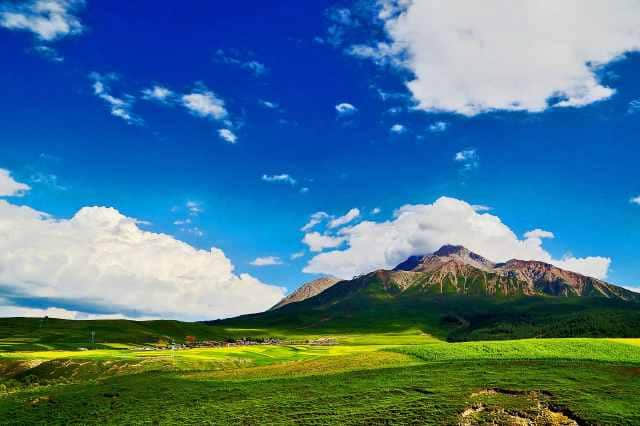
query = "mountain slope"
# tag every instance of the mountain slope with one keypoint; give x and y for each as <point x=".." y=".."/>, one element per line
<point x="455" y="294"/>
<point x="307" y="290"/>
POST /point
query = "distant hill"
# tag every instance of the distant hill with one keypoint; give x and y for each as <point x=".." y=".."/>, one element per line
<point x="307" y="290"/>
<point x="459" y="295"/>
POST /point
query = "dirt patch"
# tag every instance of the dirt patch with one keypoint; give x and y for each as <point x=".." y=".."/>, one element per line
<point x="499" y="406"/>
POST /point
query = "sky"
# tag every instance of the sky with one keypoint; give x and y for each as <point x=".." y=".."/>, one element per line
<point x="201" y="160"/>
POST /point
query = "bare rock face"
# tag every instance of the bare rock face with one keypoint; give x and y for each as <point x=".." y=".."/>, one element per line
<point x="455" y="270"/>
<point x="455" y="266"/>
<point x="307" y="290"/>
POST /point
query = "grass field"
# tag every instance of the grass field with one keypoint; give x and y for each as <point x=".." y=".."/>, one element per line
<point x="590" y="381"/>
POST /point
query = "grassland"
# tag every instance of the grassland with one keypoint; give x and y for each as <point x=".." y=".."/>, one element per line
<point x="592" y="381"/>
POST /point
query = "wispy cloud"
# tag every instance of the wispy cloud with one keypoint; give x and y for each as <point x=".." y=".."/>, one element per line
<point x="266" y="261"/>
<point x="48" y="20"/>
<point x="268" y="104"/>
<point x="157" y="93"/>
<point x="438" y="126"/>
<point x="469" y="159"/>
<point x="296" y="255"/>
<point x="635" y="200"/>
<point x="227" y="135"/>
<point x="120" y="106"/>
<point x="346" y="218"/>
<point x="314" y="220"/>
<point x="282" y="178"/>
<point x="234" y="57"/>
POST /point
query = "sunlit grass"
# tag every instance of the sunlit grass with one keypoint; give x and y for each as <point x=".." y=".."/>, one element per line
<point x="529" y="349"/>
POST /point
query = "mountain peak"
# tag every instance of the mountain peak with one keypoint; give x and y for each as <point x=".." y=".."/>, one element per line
<point x="449" y="249"/>
<point x="444" y="254"/>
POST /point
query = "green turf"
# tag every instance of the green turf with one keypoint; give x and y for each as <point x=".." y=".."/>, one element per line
<point x="595" y="380"/>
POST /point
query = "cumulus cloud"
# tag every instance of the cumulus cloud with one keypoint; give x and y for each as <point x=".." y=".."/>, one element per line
<point x="318" y="242"/>
<point x="9" y="187"/>
<point x="635" y="200"/>
<point x="266" y="261"/>
<point x="283" y="178"/>
<point x="314" y="220"/>
<point x="346" y="218"/>
<point x="205" y="103"/>
<point x="474" y="57"/>
<point x="539" y="233"/>
<point x="346" y="109"/>
<point x="101" y="260"/>
<point x="48" y="20"/>
<point x="423" y="228"/>
<point x="375" y="210"/>
<point x="120" y="106"/>
<point x="227" y="135"/>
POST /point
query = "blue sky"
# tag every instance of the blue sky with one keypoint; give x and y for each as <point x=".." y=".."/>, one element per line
<point x="266" y="113"/>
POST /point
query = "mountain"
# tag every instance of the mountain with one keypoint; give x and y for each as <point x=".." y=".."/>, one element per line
<point x="456" y="294"/>
<point x="456" y="269"/>
<point x="307" y="290"/>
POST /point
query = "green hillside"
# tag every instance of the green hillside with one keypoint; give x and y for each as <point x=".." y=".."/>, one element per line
<point x="374" y="306"/>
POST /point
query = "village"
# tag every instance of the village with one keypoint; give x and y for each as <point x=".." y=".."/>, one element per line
<point x="190" y="342"/>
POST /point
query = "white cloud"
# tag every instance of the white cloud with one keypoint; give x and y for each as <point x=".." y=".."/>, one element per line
<point x="423" y="228"/>
<point x="227" y="135"/>
<point x="205" y="103"/>
<point x="283" y="178"/>
<point x="101" y="259"/>
<point x="9" y="187"/>
<point x="398" y="129"/>
<point x="48" y="53"/>
<point x="268" y="104"/>
<point x="194" y="207"/>
<point x="634" y="106"/>
<point x="266" y="261"/>
<point x="48" y="20"/>
<point x="232" y="58"/>
<point x="318" y="242"/>
<point x="469" y="158"/>
<point x="296" y="255"/>
<point x="304" y="189"/>
<point x="343" y="220"/>
<point x="315" y="219"/>
<point x="48" y="179"/>
<point x="346" y="109"/>
<point x="635" y="200"/>
<point x="539" y="233"/>
<point x="120" y="107"/>
<point x="157" y="93"/>
<point x="375" y="210"/>
<point x="474" y="57"/>
<point x="438" y="126"/>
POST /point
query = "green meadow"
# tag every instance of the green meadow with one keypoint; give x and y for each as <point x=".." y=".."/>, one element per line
<point x="393" y="378"/>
